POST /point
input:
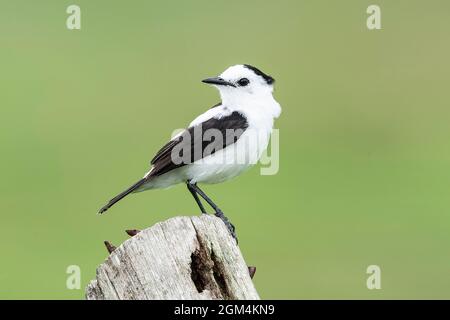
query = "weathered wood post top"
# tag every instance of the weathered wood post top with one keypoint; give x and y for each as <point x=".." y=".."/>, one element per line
<point x="181" y="258"/>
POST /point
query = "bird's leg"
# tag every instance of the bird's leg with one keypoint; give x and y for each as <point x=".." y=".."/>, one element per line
<point x="194" y="194"/>
<point x="218" y="213"/>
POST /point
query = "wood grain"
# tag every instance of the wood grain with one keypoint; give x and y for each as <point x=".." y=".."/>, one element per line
<point x="181" y="258"/>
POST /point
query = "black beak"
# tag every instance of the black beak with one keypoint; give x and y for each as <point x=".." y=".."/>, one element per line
<point x="218" y="82"/>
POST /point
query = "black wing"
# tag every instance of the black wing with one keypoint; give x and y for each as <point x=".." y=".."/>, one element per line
<point x="172" y="143"/>
<point x="230" y="127"/>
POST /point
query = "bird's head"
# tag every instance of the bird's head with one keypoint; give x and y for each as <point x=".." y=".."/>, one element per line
<point x="242" y="81"/>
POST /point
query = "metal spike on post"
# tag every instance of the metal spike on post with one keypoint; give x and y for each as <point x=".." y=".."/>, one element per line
<point x="181" y="258"/>
<point x="132" y="232"/>
<point x="109" y="246"/>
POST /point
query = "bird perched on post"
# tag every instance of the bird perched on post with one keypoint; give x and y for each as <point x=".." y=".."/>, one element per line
<point x="219" y="144"/>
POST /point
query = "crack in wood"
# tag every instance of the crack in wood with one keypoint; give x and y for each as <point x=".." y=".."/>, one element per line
<point x="218" y="272"/>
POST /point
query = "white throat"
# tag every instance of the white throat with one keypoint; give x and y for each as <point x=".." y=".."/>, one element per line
<point x="262" y="103"/>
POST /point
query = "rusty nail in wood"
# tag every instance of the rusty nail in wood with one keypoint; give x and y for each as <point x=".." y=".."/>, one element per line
<point x="109" y="246"/>
<point x="251" y="271"/>
<point x="132" y="232"/>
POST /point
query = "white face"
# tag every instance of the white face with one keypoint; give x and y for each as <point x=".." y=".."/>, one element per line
<point x="246" y="88"/>
<point x="243" y="81"/>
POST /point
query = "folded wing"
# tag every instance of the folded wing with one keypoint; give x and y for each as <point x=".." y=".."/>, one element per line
<point x="193" y="139"/>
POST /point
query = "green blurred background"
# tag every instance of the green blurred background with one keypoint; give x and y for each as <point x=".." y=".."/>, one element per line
<point x="364" y="157"/>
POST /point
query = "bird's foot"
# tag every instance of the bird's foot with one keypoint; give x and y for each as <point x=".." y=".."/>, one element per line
<point x="228" y="224"/>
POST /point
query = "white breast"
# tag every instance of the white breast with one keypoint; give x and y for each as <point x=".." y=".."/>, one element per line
<point x="238" y="157"/>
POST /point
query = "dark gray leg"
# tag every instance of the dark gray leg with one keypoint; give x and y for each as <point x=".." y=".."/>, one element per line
<point x="197" y="199"/>
<point x="218" y="213"/>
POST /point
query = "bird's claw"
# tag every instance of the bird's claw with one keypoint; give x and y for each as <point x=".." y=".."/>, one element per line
<point x="228" y="224"/>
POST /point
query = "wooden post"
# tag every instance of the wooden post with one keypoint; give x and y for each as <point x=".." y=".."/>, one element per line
<point x="181" y="258"/>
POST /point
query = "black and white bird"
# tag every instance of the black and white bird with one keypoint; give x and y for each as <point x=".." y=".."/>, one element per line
<point x="247" y="110"/>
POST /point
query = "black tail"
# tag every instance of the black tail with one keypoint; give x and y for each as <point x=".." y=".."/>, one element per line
<point x="122" y="195"/>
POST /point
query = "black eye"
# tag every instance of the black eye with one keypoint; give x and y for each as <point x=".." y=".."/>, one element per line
<point x="243" y="82"/>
